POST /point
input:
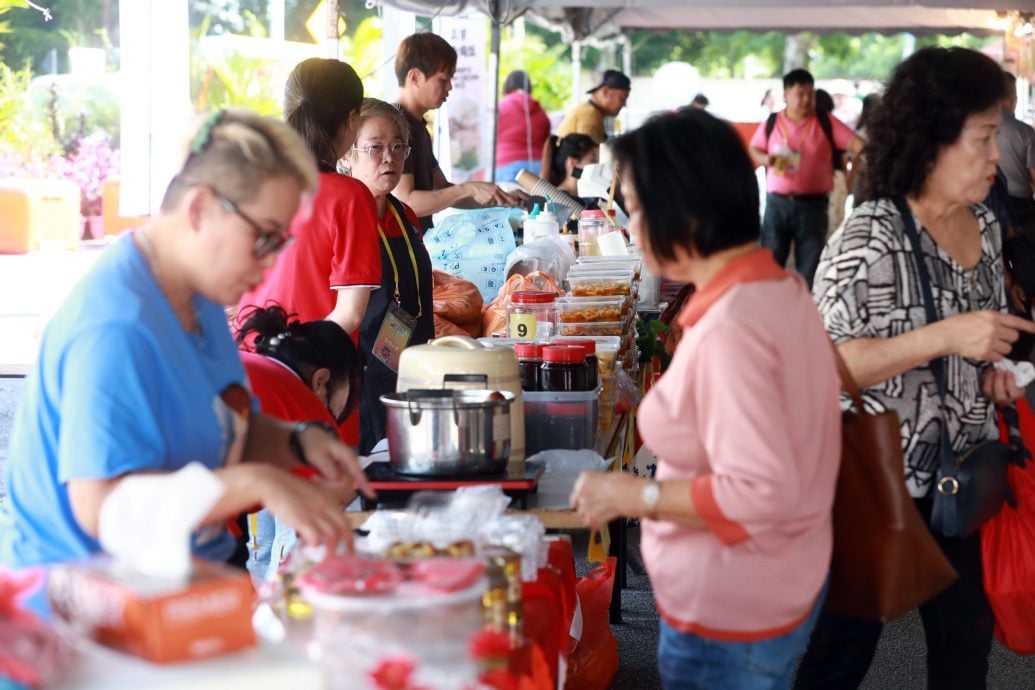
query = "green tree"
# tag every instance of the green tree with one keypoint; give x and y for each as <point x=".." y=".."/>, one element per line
<point x="548" y="66"/>
<point x="712" y="53"/>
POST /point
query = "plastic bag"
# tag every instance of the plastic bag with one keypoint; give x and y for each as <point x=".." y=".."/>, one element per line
<point x="1008" y="561"/>
<point x="550" y="255"/>
<point x="473" y="245"/>
<point x="594" y="660"/>
<point x="455" y="299"/>
<point x="1008" y="552"/>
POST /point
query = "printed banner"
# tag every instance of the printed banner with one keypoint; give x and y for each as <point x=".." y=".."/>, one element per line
<point x="465" y="122"/>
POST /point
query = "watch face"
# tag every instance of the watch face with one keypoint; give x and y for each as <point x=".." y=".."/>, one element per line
<point x="650" y="495"/>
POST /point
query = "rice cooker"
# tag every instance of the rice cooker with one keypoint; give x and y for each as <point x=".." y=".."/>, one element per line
<point x="460" y="362"/>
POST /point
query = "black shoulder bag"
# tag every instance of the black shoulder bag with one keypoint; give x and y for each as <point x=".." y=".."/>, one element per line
<point x="969" y="488"/>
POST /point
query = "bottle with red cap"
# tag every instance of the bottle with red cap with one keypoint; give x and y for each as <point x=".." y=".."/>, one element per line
<point x="564" y="369"/>
<point x="530" y="358"/>
<point x="589" y="347"/>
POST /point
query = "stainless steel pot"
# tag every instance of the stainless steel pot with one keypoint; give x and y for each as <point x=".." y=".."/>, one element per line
<point x="448" y="432"/>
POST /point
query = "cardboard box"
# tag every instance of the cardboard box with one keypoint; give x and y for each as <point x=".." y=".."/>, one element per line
<point x="157" y="620"/>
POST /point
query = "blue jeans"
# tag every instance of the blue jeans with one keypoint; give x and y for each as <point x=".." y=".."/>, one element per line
<point x="803" y="221"/>
<point x="690" y="662"/>
<point x="270" y="541"/>
<point x="508" y="172"/>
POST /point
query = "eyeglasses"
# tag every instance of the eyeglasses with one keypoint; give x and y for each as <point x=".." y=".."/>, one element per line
<point x="377" y="151"/>
<point x="266" y="241"/>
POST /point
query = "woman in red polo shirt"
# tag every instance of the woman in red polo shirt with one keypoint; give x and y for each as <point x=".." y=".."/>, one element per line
<point x="330" y="270"/>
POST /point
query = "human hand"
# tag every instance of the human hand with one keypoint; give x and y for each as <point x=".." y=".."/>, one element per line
<point x="336" y="463"/>
<point x="1000" y="386"/>
<point x="486" y="194"/>
<point x="1018" y="300"/>
<point x="599" y="497"/>
<point x="314" y="510"/>
<point x="985" y="335"/>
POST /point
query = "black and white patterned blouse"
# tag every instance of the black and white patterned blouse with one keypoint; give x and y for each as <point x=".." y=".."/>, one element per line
<point x="866" y="287"/>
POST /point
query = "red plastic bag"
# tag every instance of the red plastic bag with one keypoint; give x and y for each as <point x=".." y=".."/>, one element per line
<point x="1008" y="561"/>
<point x="594" y="661"/>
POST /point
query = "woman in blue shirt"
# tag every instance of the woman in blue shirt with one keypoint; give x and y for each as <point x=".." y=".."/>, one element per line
<point x="138" y="373"/>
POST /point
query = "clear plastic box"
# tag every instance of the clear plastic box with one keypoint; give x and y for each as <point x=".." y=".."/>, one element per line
<point x="583" y="309"/>
<point x="560" y="420"/>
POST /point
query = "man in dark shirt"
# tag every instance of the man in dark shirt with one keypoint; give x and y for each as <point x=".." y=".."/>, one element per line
<point x="424" y="65"/>
<point x="1017" y="160"/>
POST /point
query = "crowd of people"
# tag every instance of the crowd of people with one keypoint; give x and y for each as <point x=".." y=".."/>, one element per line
<point x="313" y="227"/>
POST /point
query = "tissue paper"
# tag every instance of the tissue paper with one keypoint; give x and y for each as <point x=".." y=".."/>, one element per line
<point x="172" y="506"/>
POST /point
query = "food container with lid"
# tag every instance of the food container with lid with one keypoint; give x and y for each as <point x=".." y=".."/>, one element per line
<point x="531" y="315"/>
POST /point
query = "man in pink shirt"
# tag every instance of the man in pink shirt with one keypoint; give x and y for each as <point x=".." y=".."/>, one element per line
<point x="797" y="146"/>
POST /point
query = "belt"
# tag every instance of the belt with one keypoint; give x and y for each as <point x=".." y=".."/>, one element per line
<point x="802" y="197"/>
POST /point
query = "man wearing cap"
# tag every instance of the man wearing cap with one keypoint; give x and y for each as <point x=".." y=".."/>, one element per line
<point x="606" y="100"/>
<point x="798" y="148"/>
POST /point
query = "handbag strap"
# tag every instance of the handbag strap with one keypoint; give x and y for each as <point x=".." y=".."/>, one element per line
<point x="947" y="459"/>
<point x="1019" y="453"/>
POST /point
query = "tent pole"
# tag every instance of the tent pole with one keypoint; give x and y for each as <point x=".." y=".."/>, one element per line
<point x="494" y="66"/>
<point x="576" y="71"/>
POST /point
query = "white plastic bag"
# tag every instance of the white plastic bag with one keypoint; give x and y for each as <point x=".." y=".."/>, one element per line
<point x="473" y="245"/>
<point x="549" y="254"/>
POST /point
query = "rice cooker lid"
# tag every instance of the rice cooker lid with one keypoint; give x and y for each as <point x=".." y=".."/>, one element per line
<point x="456" y="354"/>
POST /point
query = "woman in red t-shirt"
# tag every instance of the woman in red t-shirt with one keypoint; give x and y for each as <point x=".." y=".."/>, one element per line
<point x="307" y="372"/>
<point x="330" y="270"/>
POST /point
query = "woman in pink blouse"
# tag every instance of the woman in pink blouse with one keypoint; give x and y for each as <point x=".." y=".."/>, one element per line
<point x="745" y="423"/>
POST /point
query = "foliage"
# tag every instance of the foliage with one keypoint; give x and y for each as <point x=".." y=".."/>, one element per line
<point x="364" y="50"/>
<point x="649" y="340"/>
<point x="23" y="137"/>
<point x="713" y="53"/>
<point x="871" y="55"/>
<point x="547" y="68"/>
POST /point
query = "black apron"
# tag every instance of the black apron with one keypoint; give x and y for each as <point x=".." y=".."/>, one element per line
<point x="378" y="378"/>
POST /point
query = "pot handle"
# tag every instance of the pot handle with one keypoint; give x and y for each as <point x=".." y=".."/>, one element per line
<point x="413" y="398"/>
<point x="463" y="342"/>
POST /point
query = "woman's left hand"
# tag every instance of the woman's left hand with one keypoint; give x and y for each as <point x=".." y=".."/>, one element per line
<point x="599" y="497"/>
<point x="999" y="386"/>
<point x="335" y="461"/>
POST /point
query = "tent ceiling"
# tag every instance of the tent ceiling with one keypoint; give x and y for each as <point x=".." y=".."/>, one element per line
<point x="587" y="17"/>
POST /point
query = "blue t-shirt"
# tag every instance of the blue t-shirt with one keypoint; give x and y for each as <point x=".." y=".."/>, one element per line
<point x="118" y="387"/>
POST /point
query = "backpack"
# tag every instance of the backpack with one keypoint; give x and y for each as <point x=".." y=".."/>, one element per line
<point x="837" y="157"/>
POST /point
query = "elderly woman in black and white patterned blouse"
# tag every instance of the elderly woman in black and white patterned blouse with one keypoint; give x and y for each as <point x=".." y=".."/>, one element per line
<point x="932" y="143"/>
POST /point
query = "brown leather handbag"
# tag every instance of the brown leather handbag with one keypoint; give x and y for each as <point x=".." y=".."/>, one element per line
<point x="885" y="559"/>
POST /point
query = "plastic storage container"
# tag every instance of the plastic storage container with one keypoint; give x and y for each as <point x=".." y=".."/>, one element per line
<point x="38" y="214"/>
<point x="561" y="420"/>
<point x="531" y="315"/>
<point x="354" y="634"/>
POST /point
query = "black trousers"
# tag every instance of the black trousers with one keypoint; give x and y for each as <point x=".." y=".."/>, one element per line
<point x="958" y="626"/>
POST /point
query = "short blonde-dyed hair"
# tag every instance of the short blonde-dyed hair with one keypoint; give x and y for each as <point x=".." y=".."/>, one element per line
<point x="235" y="150"/>
<point x="374" y="108"/>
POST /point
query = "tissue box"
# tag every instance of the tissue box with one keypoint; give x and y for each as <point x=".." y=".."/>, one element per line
<point x="151" y="618"/>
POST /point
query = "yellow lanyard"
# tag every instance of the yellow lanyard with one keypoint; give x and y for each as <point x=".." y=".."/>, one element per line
<point x="391" y="257"/>
<point x="804" y="138"/>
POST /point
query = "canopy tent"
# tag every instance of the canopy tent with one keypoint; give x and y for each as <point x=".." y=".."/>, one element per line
<point x="583" y="18"/>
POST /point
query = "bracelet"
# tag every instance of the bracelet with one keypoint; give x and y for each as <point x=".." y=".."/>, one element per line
<point x="294" y="442"/>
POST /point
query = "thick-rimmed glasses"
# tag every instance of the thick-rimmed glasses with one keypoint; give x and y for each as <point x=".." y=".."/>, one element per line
<point x="266" y="241"/>
<point x="377" y="151"/>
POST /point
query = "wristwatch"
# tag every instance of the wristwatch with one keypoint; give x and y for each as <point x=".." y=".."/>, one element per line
<point x="295" y="443"/>
<point x="650" y="495"/>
